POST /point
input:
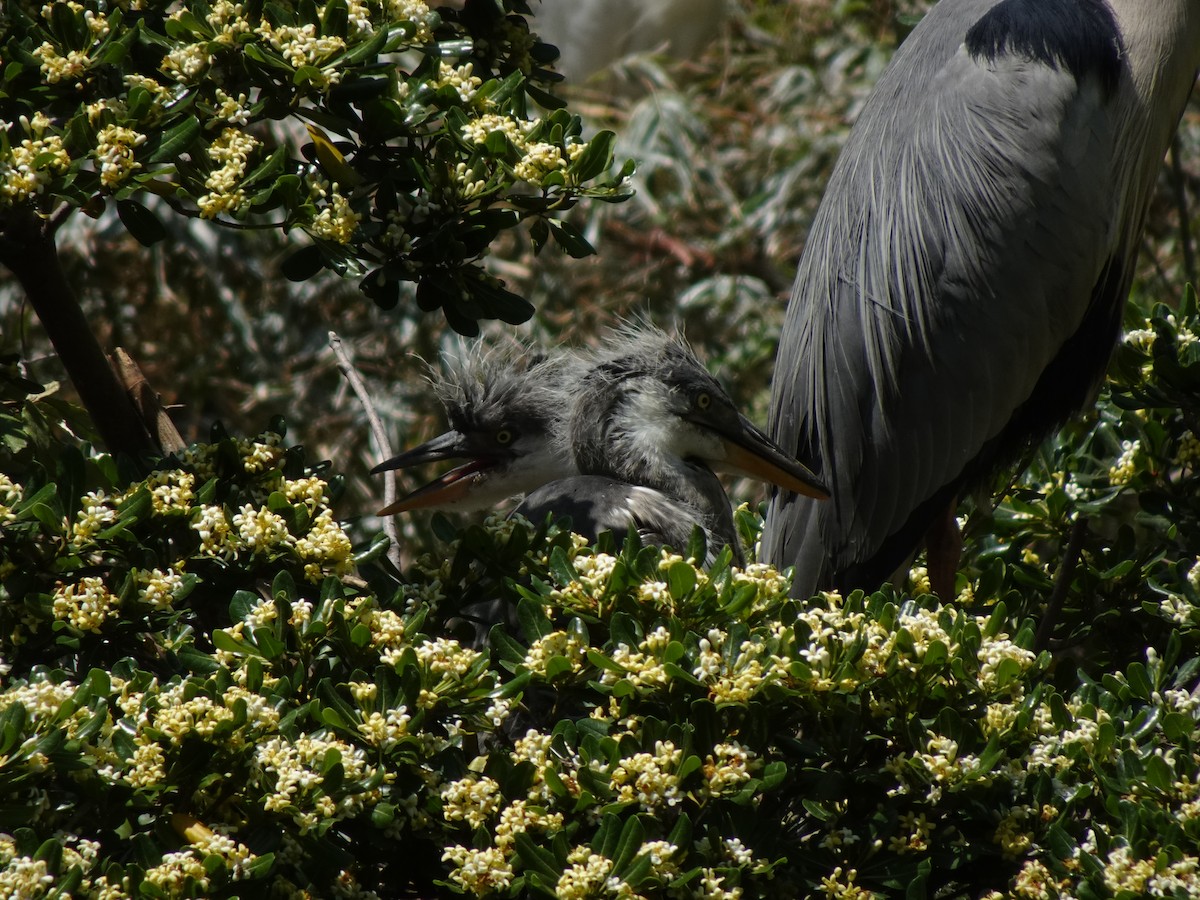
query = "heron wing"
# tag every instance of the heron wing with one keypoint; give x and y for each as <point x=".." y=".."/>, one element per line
<point x="970" y="236"/>
<point x="596" y="504"/>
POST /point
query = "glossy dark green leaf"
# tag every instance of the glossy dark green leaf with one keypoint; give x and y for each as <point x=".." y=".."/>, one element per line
<point x="304" y="263"/>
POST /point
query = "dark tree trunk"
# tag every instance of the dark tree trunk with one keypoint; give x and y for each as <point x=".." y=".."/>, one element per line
<point x="27" y="248"/>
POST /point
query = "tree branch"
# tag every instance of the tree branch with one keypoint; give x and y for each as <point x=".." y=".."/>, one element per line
<point x="27" y="249"/>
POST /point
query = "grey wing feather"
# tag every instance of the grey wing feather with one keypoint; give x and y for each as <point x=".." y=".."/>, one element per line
<point x="596" y="504"/>
<point x="944" y="271"/>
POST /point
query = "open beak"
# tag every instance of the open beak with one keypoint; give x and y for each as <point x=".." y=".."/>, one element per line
<point x="442" y="491"/>
<point x="446" y="489"/>
<point x="750" y="452"/>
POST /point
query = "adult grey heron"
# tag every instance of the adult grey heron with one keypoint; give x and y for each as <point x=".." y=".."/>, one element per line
<point x="963" y="282"/>
<point x="647" y="426"/>
<point x="499" y="403"/>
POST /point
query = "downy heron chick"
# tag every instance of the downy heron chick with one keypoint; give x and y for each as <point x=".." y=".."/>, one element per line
<point x="499" y="404"/>
<point x="646" y="428"/>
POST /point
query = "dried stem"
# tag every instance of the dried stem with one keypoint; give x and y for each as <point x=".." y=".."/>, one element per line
<point x="378" y="434"/>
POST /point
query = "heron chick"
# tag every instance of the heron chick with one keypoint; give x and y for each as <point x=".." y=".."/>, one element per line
<point x="647" y="428"/>
<point x="499" y="404"/>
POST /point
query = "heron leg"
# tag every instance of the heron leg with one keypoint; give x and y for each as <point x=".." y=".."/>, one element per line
<point x="943" y="547"/>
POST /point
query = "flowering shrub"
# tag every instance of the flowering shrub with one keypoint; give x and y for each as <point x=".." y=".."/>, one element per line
<point x="420" y="146"/>
<point x="207" y="692"/>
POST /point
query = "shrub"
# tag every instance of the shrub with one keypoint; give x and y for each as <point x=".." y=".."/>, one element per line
<point x="208" y="693"/>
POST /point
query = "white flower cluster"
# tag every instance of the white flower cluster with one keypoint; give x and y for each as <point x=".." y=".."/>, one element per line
<point x="729" y="766"/>
<point x="586" y="876"/>
<point x="1053" y="748"/>
<point x="1183" y="334"/>
<point x="85" y="605"/>
<point x="1141" y="338"/>
<point x="11" y="494"/>
<point x="446" y="658"/>
<point x="301" y="45"/>
<point x="24" y="876"/>
<point x="115" y="153"/>
<point x="158" y="588"/>
<point x="323" y="548"/>
<point x="56" y="67"/>
<point x="479" y="872"/>
<point x="30" y="163"/>
<point x="471" y="800"/>
<point x="41" y="698"/>
<point x="565" y="644"/>
<point x="231" y="151"/>
<point x="593" y="572"/>
<point x="335" y="221"/>
<point x="940" y="768"/>
<point x="386" y="730"/>
<point x="291" y="771"/>
<point x="1126" y="875"/>
<point x="733" y="674"/>
<point x="1123" y="470"/>
<point x="839" y="885"/>
<point x="538" y="158"/>
<point x="643" y="666"/>
<point x="649" y="779"/>
<point x="461" y="78"/>
<point x="1178" y="608"/>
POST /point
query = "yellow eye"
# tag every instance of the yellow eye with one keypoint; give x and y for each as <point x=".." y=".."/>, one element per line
<point x="504" y="436"/>
<point x="703" y="401"/>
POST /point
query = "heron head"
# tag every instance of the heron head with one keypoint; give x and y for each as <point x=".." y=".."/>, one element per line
<point x="500" y="411"/>
<point x="651" y="404"/>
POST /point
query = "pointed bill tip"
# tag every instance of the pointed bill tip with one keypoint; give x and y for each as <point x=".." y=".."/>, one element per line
<point x="756" y="455"/>
<point x="450" y="488"/>
<point x="449" y="445"/>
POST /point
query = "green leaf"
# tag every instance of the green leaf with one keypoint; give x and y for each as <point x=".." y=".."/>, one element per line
<point x="561" y="568"/>
<point x="681" y="579"/>
<point x="556" y="666"/>
<point x="536" y="858"/>
<point x="1159" y="773"/>
<point x="283" y="587"/>
<point x="268" y="643"/>
<point x="570" y="239"/>
<point x="175" y="142"/>
<point x="601" y="661"/>
<point x="1139" y="681"/>
<point x="242" y="604"/>
<point x="534" y="623"/>
<point x="596" y="158"/>
<point x="633" y="835"/>
<point x="144" y="225"/>
<point x="918" y="886"/>
<point x="303" y="264"/>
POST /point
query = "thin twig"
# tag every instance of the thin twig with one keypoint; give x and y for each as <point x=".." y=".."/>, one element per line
<point x="383" y="446"/>
<point x="1062" y="584"/>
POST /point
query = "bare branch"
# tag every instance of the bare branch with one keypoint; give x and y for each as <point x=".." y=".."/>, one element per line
<point x="378" y="434"/>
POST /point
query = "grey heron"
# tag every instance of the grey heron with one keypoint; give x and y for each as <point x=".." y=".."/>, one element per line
<point x="646" y="428"/>
<point x="499" y="403"/>
<point x="963" y="281"/>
